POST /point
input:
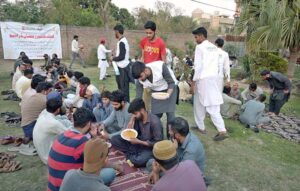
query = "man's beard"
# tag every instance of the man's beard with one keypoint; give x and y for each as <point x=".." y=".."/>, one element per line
<point x="119" y="108"/>
<point x="141" y="117"/>
<point x="152" y="38"/>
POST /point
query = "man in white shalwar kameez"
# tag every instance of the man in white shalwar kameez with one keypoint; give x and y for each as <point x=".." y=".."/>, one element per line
<point x="207" y="95"/>
<point x="224" y="64"/>
<point x="102" y="64"/>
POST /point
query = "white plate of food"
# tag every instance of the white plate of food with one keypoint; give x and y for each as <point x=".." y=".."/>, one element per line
<point x="128" y="134"/>
<point x="160" y="95"/>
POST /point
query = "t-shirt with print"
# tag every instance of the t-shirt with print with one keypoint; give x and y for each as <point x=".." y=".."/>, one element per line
<point x="153" y="50"/>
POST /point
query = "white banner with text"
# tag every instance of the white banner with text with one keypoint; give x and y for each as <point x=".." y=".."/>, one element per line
<point x="33" y="39"/>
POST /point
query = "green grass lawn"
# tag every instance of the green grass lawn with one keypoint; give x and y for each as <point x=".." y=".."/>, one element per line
<point x="244" y="162"/>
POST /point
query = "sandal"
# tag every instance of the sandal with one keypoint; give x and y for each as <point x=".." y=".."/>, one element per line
<point x="10" y="166"/>
<point x="18" y="141"/>
<point x="7" y="155"/>
<point x="7" y="140"/>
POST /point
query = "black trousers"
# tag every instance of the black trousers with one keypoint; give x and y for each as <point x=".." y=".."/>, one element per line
<point x="123" y="81"/>
<point x="276" y="105"/>
<point x="137" y="154"/>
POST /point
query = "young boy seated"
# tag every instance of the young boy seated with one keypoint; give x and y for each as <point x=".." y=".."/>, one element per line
<point x="91" y="99"/>
<point x="102" y="111"/>
<point x="252" y="92"/>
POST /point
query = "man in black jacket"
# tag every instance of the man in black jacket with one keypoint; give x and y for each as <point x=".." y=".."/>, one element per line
<point x="281" y="88"/>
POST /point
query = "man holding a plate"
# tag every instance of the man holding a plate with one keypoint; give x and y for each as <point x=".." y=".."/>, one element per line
<point x="137" y="143"/>
<point x="162" y="82"/>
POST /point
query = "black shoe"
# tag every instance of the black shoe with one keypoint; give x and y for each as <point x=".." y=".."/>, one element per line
<point x="220" y="137"/>
<point x="207" y="180"/>
<point x="256" y="130"/>
<point x="7" y="92"/>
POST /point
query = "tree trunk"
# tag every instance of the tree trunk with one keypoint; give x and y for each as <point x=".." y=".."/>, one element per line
<point x="294" y="54"/>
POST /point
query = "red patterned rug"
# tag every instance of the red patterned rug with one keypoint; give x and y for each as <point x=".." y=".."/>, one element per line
<point x="134" y="179"/>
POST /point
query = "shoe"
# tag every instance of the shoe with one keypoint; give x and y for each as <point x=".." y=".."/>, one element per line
<point x="207" y="180"/>
<point x="29" y="151"/>
<point x="18" y="148"/>
<point x="197" y="128"/>
<point x="203" y="131"/>
<point x="220" y="137"/>
<point x="256" y="130"/>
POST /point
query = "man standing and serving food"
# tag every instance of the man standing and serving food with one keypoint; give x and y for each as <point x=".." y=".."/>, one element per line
<point x="162" y="82"/>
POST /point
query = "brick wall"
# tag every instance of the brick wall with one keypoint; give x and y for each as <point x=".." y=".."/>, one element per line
<point x="89" y="37"/>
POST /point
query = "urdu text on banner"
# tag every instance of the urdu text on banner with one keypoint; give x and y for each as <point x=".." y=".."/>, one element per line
<point x="33" y="39"/>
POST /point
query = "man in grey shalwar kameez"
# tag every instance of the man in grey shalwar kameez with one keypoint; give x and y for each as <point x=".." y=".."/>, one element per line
<point x="252" y="115"/>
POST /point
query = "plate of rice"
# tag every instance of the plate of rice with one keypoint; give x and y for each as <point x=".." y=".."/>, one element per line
<point x="128" y="134"/>
<point x="160" y="95"/>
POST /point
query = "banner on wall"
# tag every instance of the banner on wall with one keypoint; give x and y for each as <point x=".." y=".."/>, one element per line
<point x="33" y="39"/>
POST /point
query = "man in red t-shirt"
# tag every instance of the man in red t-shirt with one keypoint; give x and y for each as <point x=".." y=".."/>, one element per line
<point x="153" y="49"/>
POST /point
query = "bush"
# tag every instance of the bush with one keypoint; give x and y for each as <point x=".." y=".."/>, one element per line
<point x="254" y="64"/>
<point x="92" y="57"/>
<point x="231" y="49"/>
<point x="246" y="61"/>
<point x="190" y="48"/>
<point x="180" y="53"/>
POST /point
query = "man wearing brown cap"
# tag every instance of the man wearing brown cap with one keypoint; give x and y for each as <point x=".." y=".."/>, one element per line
<point x="95" y="156"/>
<point x="182" y="176"/>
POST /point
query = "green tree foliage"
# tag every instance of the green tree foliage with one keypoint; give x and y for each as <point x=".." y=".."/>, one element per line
<point x="142" y="15"/>
<point x="123" y="17"/>
<point x="271" y="25"/>
<point x="25" y="11"/>
<point x="87" y="17"/>
<point x="68" y="12"/>
<point x="183" y="24"/>
<point x="167" y="17"/>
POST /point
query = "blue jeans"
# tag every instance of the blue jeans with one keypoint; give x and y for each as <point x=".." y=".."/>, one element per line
<point x="107" y="175"/>
<point x="28" y="129"/>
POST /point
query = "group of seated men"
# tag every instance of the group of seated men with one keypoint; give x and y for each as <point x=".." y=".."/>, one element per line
<point x="66" y="141"/>
<point x="249" y="106"/>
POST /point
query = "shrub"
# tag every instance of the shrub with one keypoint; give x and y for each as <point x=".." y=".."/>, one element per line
<point x="92" y="58"/>
<point x="177" y="51"/>
<point x="231" y="49"/>
<point x="255" y="63"/>
<point x="267" y="60"/>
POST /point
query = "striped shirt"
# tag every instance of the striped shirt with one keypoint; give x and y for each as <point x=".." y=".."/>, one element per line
<point x="66" y="153"/>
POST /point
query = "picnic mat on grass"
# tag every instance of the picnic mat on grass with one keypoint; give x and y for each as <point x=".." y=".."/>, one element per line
<point x="133" y="179"/>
